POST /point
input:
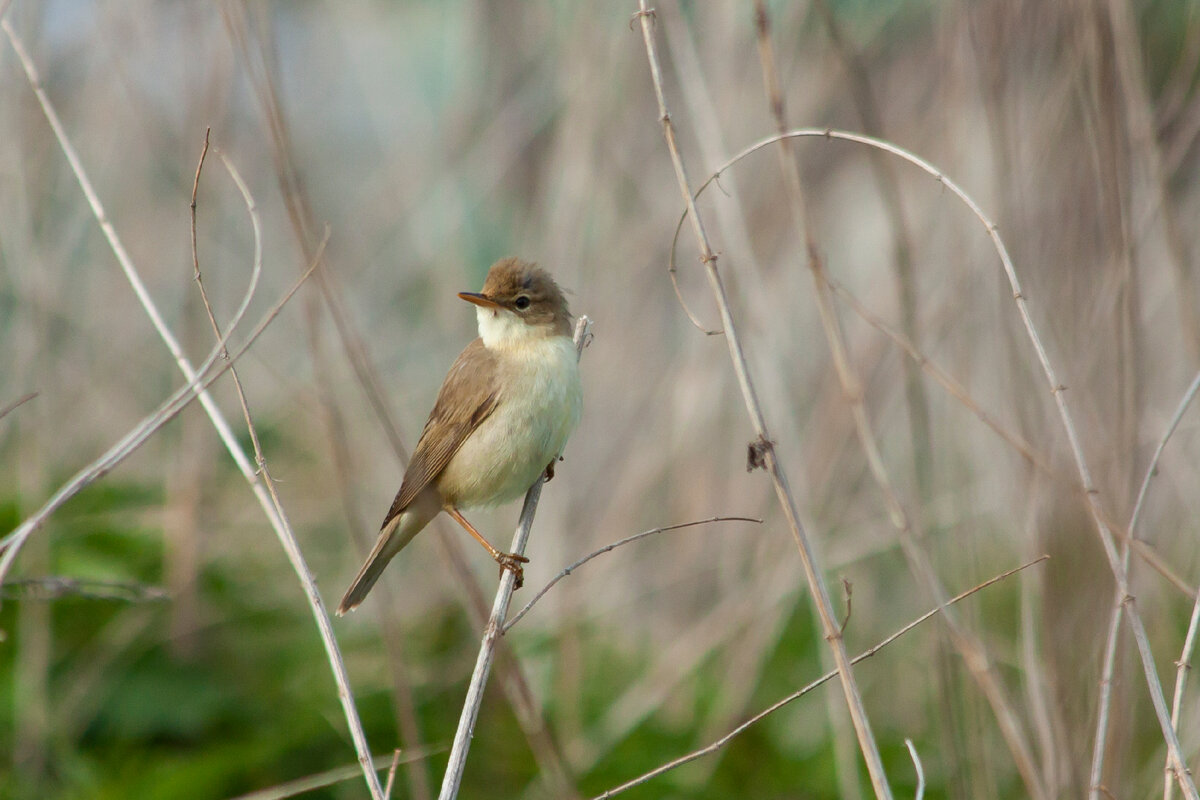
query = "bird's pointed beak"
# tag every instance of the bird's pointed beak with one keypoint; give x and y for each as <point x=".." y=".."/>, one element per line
<point x="479" y="299"/>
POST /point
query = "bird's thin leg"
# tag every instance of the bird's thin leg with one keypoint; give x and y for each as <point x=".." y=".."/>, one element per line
<point x="509" y="561"/>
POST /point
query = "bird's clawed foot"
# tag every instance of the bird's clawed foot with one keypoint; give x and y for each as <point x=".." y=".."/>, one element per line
<point x="512" y="562"/>
<point x="550" y="470"/>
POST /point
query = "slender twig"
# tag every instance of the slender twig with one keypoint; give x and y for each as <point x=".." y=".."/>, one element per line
<point x="956" y="389"/>
<point x="196" y="275"/>
<point x="1182" y="667"/>
<point x="828" y="676"/>
<point x="56" y="586"/>
<point x="608" y="548"/>
<point x="1099" y="745"/>
<point x="15" y="404"/>
<point x="763" y="447"/>
<point x="1183" y="664"/>
<point x="491" y="634"/>
<point x="391" y="778"/>
<point x="336" y="775"/>
<point x="888" y="181"/>
<point x="121" y="254"/>
<point x="916" y="759"/>
<point x="1107" y="672"/>
<point x="14" y="541"/>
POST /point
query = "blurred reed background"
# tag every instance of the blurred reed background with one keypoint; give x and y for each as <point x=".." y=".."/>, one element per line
<point x="436" y="137"/>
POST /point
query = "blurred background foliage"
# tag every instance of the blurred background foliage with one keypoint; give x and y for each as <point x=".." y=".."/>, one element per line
<point x="435" y="137"/>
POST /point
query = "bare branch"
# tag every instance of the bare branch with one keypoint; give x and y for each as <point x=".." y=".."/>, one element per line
<point x="11" y="544"/>
<point x="970" y="647"/>
<point x="491" y="634"/>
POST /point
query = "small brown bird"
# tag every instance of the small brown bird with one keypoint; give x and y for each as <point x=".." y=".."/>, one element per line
<point x="501" y="418"/>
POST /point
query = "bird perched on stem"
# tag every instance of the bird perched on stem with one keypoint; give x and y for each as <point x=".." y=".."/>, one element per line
<point x="501" y="418"/>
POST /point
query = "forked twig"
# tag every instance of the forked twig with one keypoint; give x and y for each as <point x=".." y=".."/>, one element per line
<point x="286" y="536"/>
<point x="1110" y="646"/>
<point x="828" y="676"/>
<point x="491" y="634"/>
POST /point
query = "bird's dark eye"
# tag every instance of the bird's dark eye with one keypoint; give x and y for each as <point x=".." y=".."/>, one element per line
<point x="522" y="303"/>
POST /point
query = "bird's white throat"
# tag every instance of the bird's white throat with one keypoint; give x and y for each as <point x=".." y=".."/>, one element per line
<point x="501" y="329"/>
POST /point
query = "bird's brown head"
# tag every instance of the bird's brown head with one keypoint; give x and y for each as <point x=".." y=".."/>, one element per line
<point x="523" y="299"/>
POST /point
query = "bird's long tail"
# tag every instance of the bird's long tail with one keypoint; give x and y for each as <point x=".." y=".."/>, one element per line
<point x="399" y="531"/>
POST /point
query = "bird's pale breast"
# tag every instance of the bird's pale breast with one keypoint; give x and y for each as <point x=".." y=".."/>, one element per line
<point x="538" y="409"/>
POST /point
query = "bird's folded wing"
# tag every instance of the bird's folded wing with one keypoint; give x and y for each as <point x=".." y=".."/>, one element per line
<point x="468" y="395"/>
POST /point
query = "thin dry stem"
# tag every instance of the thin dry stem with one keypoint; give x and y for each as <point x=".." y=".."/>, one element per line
<point x="56" y="586"/>
<point x="916" y="759"/>
<point x="15" y="404"/>
<point x="727" y="738"/>
<point x="330" y="777"/>
<point x="545" y="748"/>
<point x="764" y="444"/>
<point x="11" y="544"/>
<point x="609" y="548"/>
<point x="391" y="778"/>
<point x="491" y="634"/>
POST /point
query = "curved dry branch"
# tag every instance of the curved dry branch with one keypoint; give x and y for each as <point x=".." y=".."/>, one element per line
<point x="609" y="548"/>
